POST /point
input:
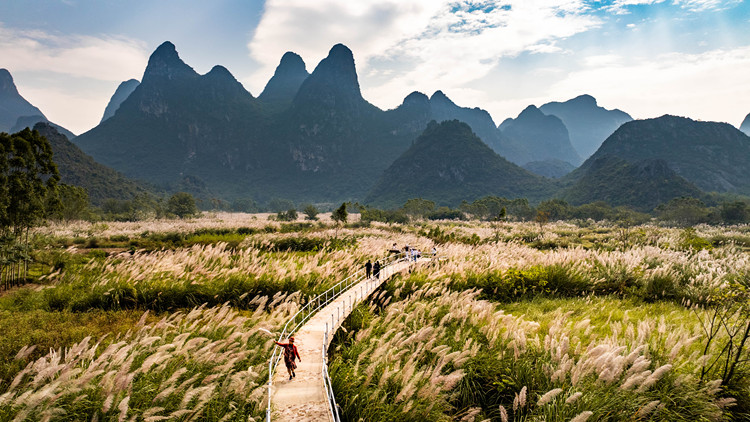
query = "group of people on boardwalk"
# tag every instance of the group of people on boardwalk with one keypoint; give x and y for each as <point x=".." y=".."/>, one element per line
<point x="372" y="269"/>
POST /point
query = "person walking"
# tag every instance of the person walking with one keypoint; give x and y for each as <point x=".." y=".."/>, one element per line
<point x="368" y="268"/>
<point x="376" y="269"/>
<point x="290" y="352"/>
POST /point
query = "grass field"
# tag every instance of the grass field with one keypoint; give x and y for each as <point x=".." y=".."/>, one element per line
<point x="161" y="321"/>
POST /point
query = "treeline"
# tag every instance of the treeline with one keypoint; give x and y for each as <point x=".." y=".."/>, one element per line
<point x="74" y="205"/>
<point x="678" y="211"/>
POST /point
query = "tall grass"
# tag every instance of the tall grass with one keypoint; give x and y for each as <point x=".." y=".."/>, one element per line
<point x="439" y="354"/>
<point x="202" y="364"/>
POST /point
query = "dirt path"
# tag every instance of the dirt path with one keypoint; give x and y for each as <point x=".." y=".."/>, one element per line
<point x="304" y="398"/>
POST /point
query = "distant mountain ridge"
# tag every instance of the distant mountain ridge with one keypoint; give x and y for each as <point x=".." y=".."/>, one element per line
<point x="314" y="137"/>
<point x="712" y="156"/>
<point x="642" y="185"/>
<point x="588" y="124"/>
<point x="539" y="137"/>
<point x="448" y="163"/>
<point x="179" y="128"/>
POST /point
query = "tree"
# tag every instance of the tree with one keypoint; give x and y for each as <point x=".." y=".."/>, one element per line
<point x="339" y="216"/>
<point x="311" y="213"/>
<point x="28" y="192"/>
<point x="542" y="217"/>
<point x="182" y="204"/>
<point x="500" y="217"/>
<point x="288" y="215"/>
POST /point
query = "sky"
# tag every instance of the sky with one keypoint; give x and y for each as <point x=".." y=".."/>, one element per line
<point x="646" y="57"/>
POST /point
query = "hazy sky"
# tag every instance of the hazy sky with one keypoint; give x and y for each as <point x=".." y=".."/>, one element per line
<point x="646" y="57"/>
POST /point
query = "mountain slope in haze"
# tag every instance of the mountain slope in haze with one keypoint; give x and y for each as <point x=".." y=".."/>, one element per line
<point x="641" y="185"/>
<point x="16" y="113"/>
<point x="541" y="137"/>
<point x="178" y="127"/>
<point x="479" y="120"/>
<point x="12" y="104"/>
<point x="448" y="163"/>
<point x="713" y="156"/>
<point x="551" y="168"/>
<point x="588" y="124"/>
<point x="745" y="126"/>
<point x="411" y="118"/>
<point x="24" y="122"/>
<point x="122" y="92"/>
<point x="286" y="80"/>
<point x="78" y="169"/>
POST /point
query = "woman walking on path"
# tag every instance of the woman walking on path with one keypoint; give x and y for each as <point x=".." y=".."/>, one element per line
<point x="290" y="352"/>
<point x="368" y="268"/>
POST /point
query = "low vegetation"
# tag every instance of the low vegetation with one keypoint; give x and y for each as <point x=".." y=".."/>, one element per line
<point x="161" y="320"/>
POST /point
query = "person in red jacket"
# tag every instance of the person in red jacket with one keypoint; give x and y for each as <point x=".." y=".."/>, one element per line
<point x="290" y="352"/>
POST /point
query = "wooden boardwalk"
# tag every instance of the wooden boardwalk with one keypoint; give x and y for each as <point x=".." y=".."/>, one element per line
<point x="304" y="398"/>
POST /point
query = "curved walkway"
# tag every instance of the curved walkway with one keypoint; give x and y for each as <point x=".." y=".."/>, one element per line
<point x="304" y="398"/>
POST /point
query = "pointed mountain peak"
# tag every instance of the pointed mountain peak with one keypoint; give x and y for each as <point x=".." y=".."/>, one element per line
<point x="334" y="81"/>
<point x="531" y="112"/>
<point x="291" y="60"/>
<point x="415" y="97"/>
<point x="341" y="52"/>
<point x="440" y="97"/>
<point x="220" y="71"/>
<point x="166" y="49"/>
<point x="166" y="63"/>
<point x="745" y="126"/>
<point x="6" y="83"/>
<point x="220" y="77"/>
<point x="122" y="92"/>
<point x="286" y="80"/>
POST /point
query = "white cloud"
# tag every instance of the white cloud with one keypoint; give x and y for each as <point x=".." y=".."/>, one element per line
<point x="311" y="28"/>
<point x="58" y="73"/>
<point x="105" y="58"/>
<point x="621" y="6"/>
<point x="703" y="5"/>
<point x="710" y="86"/>
<point x="420" y="44"/>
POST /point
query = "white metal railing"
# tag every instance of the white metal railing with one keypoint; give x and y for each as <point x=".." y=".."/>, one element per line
<point x="315" y="304"/>
<point x="368" y="288"/>
<point x="332" y="406"/>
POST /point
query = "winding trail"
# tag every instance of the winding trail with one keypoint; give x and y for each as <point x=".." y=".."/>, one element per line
<point x="304" y="398"/>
